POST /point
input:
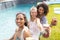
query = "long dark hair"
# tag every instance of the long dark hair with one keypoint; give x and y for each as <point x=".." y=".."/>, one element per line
<point x="24" y="17"/>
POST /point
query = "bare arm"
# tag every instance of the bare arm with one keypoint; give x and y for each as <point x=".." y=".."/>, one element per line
<point x="26" y="34"/>
<point x="39" y="24"/>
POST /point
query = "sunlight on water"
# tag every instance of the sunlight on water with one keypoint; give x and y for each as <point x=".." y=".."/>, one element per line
<point x="7" y="19"/>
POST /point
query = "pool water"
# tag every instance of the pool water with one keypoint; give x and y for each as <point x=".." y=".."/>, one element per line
<point x="7" y="19"/>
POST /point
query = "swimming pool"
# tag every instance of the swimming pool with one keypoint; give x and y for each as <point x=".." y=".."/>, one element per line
<point x="7" y="19"/>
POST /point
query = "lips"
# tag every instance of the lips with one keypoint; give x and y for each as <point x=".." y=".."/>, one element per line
<point x="18" y="23"/>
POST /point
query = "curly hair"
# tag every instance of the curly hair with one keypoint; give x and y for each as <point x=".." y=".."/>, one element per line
<point x="45" y="7"/>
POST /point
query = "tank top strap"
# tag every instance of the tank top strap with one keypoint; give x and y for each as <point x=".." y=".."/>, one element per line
<point x="24" y="29"/>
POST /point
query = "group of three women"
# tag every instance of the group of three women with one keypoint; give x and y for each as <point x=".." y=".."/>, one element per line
<point x="37" y="25"/>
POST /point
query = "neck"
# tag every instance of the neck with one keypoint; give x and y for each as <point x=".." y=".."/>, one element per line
<point x="21" y="28"/>
<point x="32" y="19"/>
<point x="41" y="15"/>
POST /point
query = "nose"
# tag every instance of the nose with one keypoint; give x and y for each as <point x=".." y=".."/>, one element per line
<point x="18" y="20"/>
<point x="41" y="11"/>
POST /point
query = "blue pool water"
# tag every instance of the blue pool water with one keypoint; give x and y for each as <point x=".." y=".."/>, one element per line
<point x="7" y="19"/>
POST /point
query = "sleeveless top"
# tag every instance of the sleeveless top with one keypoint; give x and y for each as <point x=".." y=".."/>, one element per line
<point x="21" y="37"/>
<point x="34" y="30"/>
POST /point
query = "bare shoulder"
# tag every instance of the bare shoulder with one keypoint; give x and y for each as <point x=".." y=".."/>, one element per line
<point x="27" y="33"/>
<point x="38" y="20"/>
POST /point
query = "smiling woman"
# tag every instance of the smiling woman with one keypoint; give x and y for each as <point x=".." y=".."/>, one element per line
<point x="22" y="32"/>
<point x="7" y="19"/>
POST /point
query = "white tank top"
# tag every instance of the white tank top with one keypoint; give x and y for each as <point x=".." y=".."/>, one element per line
<point x="24" y="29"/>
<point x="34" y="30"/>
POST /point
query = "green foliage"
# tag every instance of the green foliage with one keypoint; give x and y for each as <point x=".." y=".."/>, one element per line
<point x="55" y="30"/>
